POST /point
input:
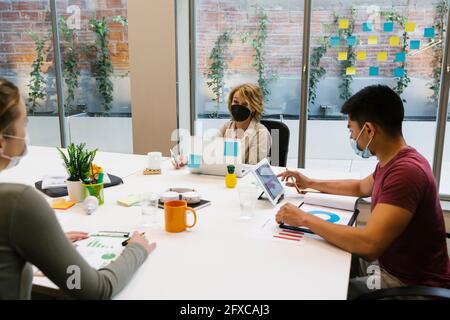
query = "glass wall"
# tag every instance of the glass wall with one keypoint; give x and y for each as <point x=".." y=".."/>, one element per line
<point x="241" y="42"/>
<point x="396" y="43"/>
<point x="95" y="64"/>
<point x="26" y="59"/>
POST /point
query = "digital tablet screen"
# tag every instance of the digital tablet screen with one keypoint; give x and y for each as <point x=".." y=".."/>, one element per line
<point x="272" y="185"/>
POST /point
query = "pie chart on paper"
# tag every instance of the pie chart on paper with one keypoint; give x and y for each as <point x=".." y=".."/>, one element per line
<point x="327" y="216"/>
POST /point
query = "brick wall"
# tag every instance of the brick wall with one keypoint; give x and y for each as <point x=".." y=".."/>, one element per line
<point x="17" y="18"/>
<point x="284" y="45"/>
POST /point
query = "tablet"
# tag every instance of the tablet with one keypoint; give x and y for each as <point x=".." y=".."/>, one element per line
<point x="268" y="180"/>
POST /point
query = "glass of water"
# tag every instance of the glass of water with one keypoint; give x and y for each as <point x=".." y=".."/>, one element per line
<point x="247" y="200"/>
<point x="150" y="210"/>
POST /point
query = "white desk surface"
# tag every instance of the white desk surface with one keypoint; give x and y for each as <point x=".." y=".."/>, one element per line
<point x="220" y="258"/>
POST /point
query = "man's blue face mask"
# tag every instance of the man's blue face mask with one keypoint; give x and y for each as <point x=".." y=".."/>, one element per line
<point x="366" y="153"/>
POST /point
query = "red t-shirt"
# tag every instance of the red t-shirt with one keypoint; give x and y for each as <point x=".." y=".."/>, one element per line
<point x="419" y="255"/>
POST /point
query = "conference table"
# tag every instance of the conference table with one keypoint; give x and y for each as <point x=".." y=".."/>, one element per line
<point x="223" y="257"/>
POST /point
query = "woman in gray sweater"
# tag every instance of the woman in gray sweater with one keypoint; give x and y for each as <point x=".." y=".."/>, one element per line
<point x="31" y="235"/>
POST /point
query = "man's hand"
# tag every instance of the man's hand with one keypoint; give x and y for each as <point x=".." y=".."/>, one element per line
<point x="291" y="215"/>
<point x="75" y="236"/>
<point x="295" y="179"/>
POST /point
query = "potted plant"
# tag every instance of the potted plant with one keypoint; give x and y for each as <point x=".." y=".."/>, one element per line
<point x="78" y="164"/>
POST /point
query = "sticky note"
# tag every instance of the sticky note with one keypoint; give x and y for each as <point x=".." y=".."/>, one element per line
<point x="367" y="26"/>
<point x="388" y="26"/>
<point x="399" y="72"/>
<point x="400" y="57"/>
<point x="428" y="33"/>
<point x="351" y="71"/>
<point x="62" y="204"/>
<point x="195" y="161"/>
<point x="342" y="56"/>
<point x="361" y="55"/>
<point x="335" y="41"/>
<point x="414" y="44"/>
<point x="382" y="56"/>
<point x="410" y="26"/>
<point x="231" y="149"/>
<point x="373" y="40"/>
<point x="343" y="24"/>
<point x="374" y="71"/>
<point x="351" y="41"/>
<point x="394" y="41"/>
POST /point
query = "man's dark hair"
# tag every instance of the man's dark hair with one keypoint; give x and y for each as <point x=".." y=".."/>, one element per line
<point x="378" y="104"/>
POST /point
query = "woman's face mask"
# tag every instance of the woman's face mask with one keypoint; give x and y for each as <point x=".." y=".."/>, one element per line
<point x="15" y="160"/>
<point x="240" y="113"/>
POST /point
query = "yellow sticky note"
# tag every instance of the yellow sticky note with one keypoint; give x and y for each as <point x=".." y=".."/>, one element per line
<point x="351" y="71"/>
<point x="410" y="26"/>
<point x="394" y="41"/>
<point x="342" y="56"/>
<point x="362" y="55"/>
<point x="343" y="24"/>
<point x="382" y="56"/>
<point x="373" y="40"/>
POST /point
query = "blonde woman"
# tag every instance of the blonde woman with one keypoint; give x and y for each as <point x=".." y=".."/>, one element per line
<point x="246" y="106"/>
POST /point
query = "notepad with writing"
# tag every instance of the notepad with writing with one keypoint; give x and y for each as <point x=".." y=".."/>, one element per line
<point x="335" y="209"/>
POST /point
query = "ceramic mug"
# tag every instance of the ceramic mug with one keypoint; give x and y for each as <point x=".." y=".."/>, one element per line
<point x="176" y="216"/>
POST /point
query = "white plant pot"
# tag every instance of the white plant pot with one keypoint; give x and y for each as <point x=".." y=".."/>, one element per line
<point x="75" y="190"/>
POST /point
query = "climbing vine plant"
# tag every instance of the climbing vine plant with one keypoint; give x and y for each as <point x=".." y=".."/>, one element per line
<point x="441" y="10"/>
<point x="37" y="85"/>
<point x="258" y="42"/>
<point x="402" y="82"/>
<point x="217" y="69"/>
<point x="317" y="71"/>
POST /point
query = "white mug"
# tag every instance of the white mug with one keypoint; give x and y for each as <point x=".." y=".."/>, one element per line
<point x="154" y="161"/>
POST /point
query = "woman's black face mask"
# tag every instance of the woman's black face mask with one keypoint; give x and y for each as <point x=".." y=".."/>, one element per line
<point x="240" y="113"/>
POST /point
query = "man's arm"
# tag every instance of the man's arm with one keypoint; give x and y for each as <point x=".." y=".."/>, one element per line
<point x="385" y="224"/>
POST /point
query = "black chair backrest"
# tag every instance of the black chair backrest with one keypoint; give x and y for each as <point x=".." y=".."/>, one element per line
<point x="280" y="141"/>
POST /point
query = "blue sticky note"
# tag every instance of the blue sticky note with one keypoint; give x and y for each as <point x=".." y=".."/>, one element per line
<point x="367" y="26"/>
<point x="231" y="149"/>
<point x="414" y="44"/>
<point x="351" y="41"/>
<point x="400" y="57"/>
<point x="428" y="33"/>
<point x="388" y="26"/>
<point x="335" y="41"/>
<point x="195" y="161"/>
<point x="374" y="71"/>
<point x="399" y="72"/>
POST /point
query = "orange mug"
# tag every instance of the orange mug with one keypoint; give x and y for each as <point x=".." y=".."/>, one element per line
<point x="176" y="217"/>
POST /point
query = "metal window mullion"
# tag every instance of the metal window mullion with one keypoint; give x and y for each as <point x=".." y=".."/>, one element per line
<point x="193" y="71"/>
<point x="58" y="74"/>
<point x="303" y="120"/>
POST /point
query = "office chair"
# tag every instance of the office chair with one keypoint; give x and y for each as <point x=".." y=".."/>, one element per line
<point x="280" y="142"/>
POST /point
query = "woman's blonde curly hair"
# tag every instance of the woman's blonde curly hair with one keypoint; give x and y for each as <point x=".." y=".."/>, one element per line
<point x="252" y="95"/>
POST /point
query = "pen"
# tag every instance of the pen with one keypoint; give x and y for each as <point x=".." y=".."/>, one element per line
<point x="111" y="234"/>
<point x="125" y="243"/>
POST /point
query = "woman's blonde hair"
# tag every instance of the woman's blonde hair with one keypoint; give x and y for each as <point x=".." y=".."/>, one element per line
<point x="252" y="95"/>
<point x="9" y="99"/>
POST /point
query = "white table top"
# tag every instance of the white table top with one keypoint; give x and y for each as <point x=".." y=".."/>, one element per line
<point x="220" y="258"/>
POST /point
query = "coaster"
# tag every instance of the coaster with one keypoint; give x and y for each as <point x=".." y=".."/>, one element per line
<point x="150" y="172"/>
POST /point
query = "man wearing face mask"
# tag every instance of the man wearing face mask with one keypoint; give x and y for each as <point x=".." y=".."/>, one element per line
<point x="246" y="105"/>
<point x="405" y="237"/>
<point x="30" y="234"/>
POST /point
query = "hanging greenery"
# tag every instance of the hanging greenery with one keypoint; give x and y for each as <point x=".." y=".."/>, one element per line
<point x="70" y="61"/>
<point x="258" y="42"/>
<point x="402" y="82"/>
<point x="217" y="69"/>
<point x="37" y="83"/>
<point x="316" y="70"/>
<point x="440" y="16"/>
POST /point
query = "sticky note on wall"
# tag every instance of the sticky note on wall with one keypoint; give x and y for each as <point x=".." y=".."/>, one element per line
<point x="343" y="24"/>
<point x="372" y="40"/>
<point x="394" y="41"/>
<point x="351" y="71"/>
<point x="414" y="45"/>
<point x="428" y="33"/>
<point x="374" y="71"/>
<point x="399" y="72"/>
<point x="410" y="26"/>
<point x="388" y="26"/>
<point x="335" y="41"/>
<point x="382" y="56"/>
<point x="400" y="57"/>
<point x="361" y="55"/>
<point x="351" y="41"/>
<point x="342" y="56"/>
<point x="367" y="26"/>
